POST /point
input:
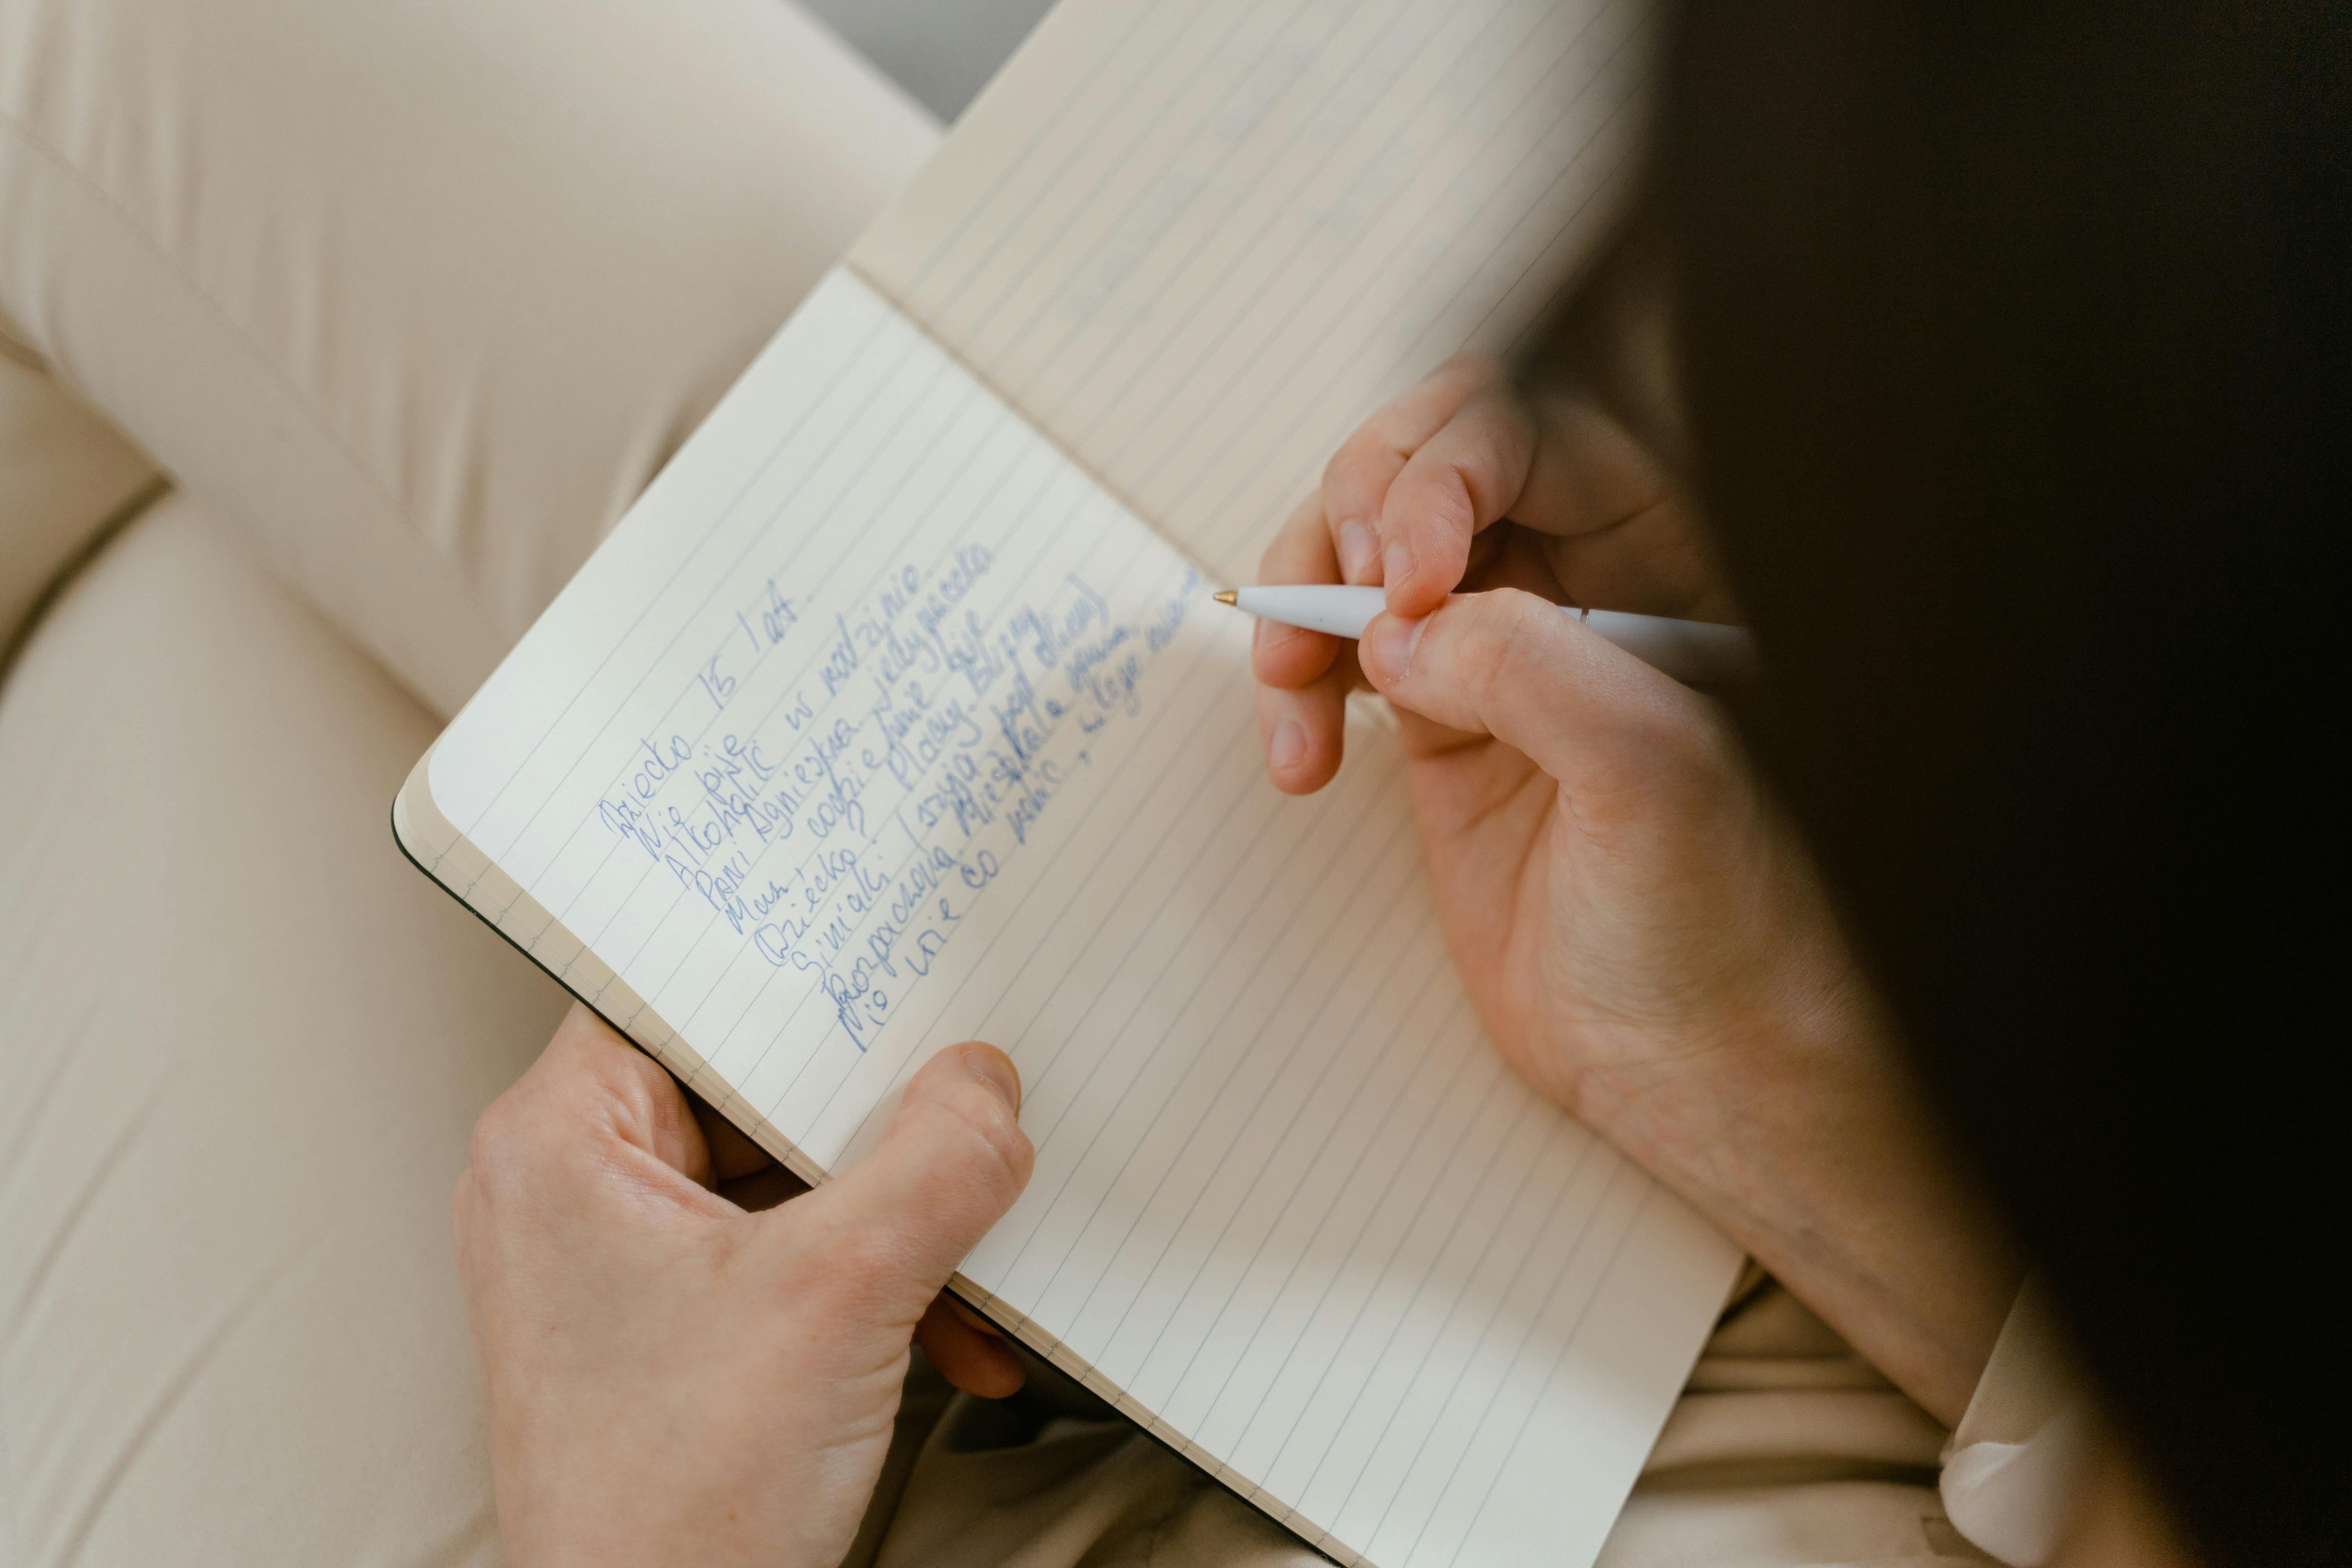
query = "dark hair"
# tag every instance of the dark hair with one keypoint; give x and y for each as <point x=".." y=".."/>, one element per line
<point x="2015" y="343"/>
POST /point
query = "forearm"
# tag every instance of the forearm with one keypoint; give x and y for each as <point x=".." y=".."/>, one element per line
<point x="1813" y="1152"/>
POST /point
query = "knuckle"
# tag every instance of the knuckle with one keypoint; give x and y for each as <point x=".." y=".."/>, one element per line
<point x="1494" y="456"/>
<point x="1296" y="540"/>
<point x="496" y="1134"/>
<point x="499" y="1171"/>
<point x="1445" y="505"/>
<point x="1498" y="644"/>
<point x="985" y="1140"/>
<point x="1356" y="465"/>
<point x="524" y="1133"/>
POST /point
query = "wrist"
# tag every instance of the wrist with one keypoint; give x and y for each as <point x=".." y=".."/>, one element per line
<point x="1802" y="1136"/>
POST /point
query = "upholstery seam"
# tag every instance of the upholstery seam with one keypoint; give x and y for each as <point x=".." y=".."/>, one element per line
<point x="32" y="140"/>
<point x="140" y="501"/>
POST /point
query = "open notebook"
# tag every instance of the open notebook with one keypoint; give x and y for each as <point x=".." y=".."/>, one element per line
<point x="895" y="713"/>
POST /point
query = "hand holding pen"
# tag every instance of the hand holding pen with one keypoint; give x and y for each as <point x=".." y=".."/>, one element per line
<point x="1464" y="485"/>
<point x="1642" y="932"/>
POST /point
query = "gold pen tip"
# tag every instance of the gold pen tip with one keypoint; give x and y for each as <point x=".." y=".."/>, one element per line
<point x="1228" y="595"/>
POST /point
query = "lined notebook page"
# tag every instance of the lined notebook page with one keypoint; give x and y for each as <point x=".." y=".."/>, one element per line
<point x="878" y="725"/>
<point x="1199" y="243"/>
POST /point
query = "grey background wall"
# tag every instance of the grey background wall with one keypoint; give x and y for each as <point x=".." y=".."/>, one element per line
<point x="942" y="51"/>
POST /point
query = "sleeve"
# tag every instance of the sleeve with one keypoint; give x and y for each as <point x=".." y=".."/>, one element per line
<point x="2016" y="1462"/>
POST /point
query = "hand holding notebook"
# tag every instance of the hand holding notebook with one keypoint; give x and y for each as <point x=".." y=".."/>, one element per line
<point x="615" y="1294"/>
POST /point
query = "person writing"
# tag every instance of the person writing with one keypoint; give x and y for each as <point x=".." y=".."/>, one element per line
<point x="1642" y="933"/>
<point x="2012" y="347"/>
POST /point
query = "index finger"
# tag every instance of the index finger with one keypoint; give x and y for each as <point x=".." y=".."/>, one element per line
<point x="1288" y="657"/>
<point x="1410" y="491"/>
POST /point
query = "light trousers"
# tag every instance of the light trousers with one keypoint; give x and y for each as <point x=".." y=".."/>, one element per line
<point x="405" y="301"/>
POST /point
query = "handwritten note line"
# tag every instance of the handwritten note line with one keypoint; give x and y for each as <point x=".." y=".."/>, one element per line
<point x="757" y="536"/>
<point x="719" y="520"/>
<point x="1017" y="918"/>
<point x="812" y="1053"/>
<point x="709" y="925"/>
<point x="1135" y="565"/>
<point x="821" y="712"/>
<point x="678" y="960"/>
<point x="1238" y="735"/>
<point x="822" y="450"/>
<point x="590" y="683"/>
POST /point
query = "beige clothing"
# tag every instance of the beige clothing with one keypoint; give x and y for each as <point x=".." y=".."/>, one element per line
<point x="409" y="299"/>
<point x="2023" y="1451"/>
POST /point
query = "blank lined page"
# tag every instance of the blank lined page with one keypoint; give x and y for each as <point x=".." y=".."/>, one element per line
<point x="1199" y="243"/>
<point x="878" y="725"/>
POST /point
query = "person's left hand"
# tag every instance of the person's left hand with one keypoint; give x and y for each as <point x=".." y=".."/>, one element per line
<point x="674" y="1378"/>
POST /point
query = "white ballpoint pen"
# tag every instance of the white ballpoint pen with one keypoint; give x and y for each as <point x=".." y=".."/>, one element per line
<point x="1699" y="652"/>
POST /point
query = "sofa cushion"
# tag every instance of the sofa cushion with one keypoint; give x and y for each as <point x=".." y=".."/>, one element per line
<point x="64" y="476"/>
<point x="242" y="1047"/>
<point x="417" y="296"/>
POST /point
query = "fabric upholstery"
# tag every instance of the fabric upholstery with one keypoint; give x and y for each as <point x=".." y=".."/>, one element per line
<point x="420" y="295"/>
<point x="244" y="1047"/>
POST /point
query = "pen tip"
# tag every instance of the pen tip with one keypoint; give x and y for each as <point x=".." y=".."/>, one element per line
<point x="1228" y="595"/>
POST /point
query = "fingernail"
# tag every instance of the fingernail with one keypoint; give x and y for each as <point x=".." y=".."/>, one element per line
<point x="1359" y="548"/>
<point x="1386" y="651"/>
<point x="995" y="1068"/>
<point x="1397" y="565"/>
<point x="1288" y="747"/>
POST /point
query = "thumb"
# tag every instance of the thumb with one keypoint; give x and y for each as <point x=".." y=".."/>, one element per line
<point x="1510" y="665"/>
<point x="949" y="1165"/>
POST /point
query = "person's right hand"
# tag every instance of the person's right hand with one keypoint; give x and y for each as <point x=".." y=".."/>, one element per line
<point x="1642" y="934"/>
